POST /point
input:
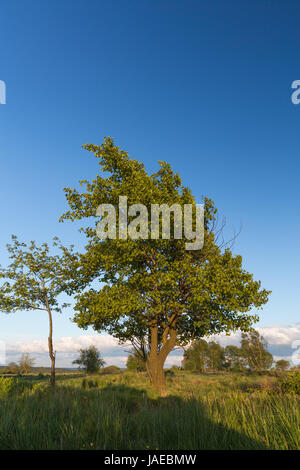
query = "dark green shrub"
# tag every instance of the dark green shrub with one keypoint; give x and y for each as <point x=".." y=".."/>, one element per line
<point x="89" y="384"/>
<point x="11" y="385"/>
<point x="291" y="384"/>
<point x="110" y="370"/>
<point x="41" y="389"/>
<point x="6" y="386"/>
<point x="92" y="383"/>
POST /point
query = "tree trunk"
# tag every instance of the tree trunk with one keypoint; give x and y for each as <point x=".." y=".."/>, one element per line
<point x="158" y="379"/>
<point x="156" y="359"/>
<point x="52" y="358"/>
<point x="50" y="346"/>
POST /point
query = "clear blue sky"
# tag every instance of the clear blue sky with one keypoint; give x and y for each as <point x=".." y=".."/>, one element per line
<point x="203" y="85"/>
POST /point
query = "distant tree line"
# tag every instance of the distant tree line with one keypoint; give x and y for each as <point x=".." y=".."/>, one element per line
<point x="252" y="354"/>
<point x="204" y="356"/>
<point x="23" y="366"/>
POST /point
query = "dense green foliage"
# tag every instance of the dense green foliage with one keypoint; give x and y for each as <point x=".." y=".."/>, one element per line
<point x="254" y="351"/>
<point x="234" y="359"/>
<point x="282" y="364"/>
<point x="291" y="384"/>
<point x="252" y="355"/>
<point x="135" y="362"/>
<point x="90" y="360"/>
<point x="196" y="356"/>
<point x="110" y="370"/>
<point x="35" y="278"/>
<point x="10" y="386"/>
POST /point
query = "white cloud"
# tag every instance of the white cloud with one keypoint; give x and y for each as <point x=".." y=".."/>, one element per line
<point x="281" y="334"/>
<point x="66" y="344"/>
<point x="274" y="335"/>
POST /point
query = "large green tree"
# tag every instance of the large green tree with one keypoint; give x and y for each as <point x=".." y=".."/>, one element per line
<point x="195" y="358"/>
<point x="35" y="279"/>
<point x="282" y="365"/>
<point x="202" y="355"/>
<point x="90" y="360"/>
<point x="234" y="359"/>
<point x="216" y="357"/>
<point x="254" y="351"/>
<point x="154" y="290"/>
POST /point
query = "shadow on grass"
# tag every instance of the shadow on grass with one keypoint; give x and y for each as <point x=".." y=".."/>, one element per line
<point x="180" y="423"/>
<point x="116" y="417"/>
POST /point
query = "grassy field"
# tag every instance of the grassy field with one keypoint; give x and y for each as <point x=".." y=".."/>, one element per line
<point x="121" y="411"/>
